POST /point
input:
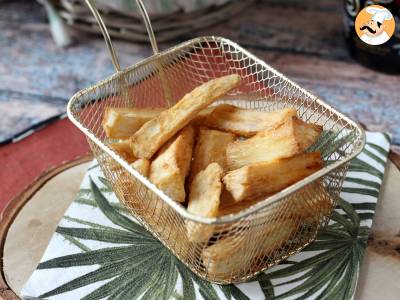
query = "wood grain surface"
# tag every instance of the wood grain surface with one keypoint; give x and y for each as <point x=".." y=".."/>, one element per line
<point x="17" y="204"/>
<point x="301" y="38"/>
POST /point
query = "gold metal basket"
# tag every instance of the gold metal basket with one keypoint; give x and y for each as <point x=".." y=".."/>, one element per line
<point x="245" y="240"/>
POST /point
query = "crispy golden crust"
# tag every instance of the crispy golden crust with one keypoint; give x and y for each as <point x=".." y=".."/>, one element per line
<point x="291" y="137"/>
<point x="306" y="133"/>
<point x="170" y="168"/>
<point x="265" y="178"/>
<point x="204" y="199"/>
<point x="121" y="123"/>
<point x="210" y="147"/>
<point x="199" y="120"/>
<point x="124" y="150"/>
<point x="245" y="122"/>
<point x="153" y="134"/>
<point x="231" y="255"/>
<point x="142" y="166"/>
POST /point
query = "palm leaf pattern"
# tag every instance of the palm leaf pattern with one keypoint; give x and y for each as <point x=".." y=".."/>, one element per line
<point x="139" y="266"/>
<point x="134" y="264"/>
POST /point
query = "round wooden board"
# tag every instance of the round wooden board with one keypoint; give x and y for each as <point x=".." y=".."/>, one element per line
<point x="29" y="221"/>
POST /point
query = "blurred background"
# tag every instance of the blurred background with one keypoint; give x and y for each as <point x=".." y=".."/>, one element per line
<point x="42" y="65"/>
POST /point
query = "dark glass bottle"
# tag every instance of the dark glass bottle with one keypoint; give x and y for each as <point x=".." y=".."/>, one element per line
<point x="385" y="57"/>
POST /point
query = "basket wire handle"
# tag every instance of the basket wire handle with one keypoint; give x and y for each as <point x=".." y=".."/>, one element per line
<point x="149" y="28"/>
<point x="105" y="33"/>
<point x="153" y="41"/>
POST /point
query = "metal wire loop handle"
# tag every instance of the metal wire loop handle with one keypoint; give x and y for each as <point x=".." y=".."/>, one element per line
<point x="149" y="28"/>
<point x="106" y="35"/>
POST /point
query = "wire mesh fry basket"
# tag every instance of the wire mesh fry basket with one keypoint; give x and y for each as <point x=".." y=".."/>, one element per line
<point x="246" y="240"/>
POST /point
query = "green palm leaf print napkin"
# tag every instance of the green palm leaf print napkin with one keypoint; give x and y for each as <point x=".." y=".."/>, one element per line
<point x="99" y="251"/>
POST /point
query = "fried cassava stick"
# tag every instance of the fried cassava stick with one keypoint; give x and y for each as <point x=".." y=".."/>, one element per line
<point x="124" y="150"/>
<point x="266" y="178"/>
<point x="210" y="147"/>
<point x="234" y="254"/>
<point x="171" y="166"/>
<point x="204" y="199"/>
<point x="245" y="122"/>
<point x="153" y="134"/>
<point x="291" y="137"/>
<point x="142" y="165"/>
<point x="121" y="123"/>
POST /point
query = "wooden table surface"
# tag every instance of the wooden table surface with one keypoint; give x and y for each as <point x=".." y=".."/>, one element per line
<point x="301" y="38"/>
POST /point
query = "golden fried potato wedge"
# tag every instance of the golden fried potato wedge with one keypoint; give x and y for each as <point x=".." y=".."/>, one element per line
<point x="170" y="168"/>
<point x="121" y="123"/>
<point x="124" y="150"/>
<point x="291" y="137"/>
<point x="210" y="147"/>
<point x="204" y="199"/>
<point x="246" y="122"/>
<point x="142" y="165"/>
<point x="235" y="254"/>
<point x="266" y="178"/>
<point x="153" y="134"/>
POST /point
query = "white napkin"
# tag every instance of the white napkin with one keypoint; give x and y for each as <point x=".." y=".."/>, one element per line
<point x="329" y="265"/>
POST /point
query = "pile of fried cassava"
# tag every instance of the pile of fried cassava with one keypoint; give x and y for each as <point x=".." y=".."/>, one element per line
<point x="214" y="158"/>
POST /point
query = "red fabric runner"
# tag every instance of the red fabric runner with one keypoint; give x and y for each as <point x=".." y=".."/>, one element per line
<point x="23" y="162"/>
